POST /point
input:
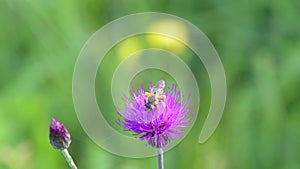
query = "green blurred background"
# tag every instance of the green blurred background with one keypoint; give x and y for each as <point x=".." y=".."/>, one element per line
<point x="258" y="42"/>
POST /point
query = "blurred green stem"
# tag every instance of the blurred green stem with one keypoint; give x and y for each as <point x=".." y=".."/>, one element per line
<point x="69" y="159"/>
<point x="160" y="158"/>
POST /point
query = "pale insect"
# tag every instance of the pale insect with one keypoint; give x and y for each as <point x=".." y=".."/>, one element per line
<point x="155" y="96"/>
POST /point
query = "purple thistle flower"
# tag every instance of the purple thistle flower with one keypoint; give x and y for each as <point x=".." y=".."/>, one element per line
<point x="60" y="138"/>
<point x="159" y="124"/>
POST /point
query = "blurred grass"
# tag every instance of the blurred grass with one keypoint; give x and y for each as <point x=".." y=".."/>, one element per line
<point x="258" y="42"/>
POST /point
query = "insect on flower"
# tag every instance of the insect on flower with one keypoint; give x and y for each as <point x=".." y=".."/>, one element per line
<point x="156" y="95"/>
<point x="169" y="114"/>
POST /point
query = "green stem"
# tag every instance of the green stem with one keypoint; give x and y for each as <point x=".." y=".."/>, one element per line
<point x="160" y="158"/>
<point x="69" y="159"/>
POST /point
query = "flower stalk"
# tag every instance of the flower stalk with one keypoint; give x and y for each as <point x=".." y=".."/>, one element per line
<point x="160" y="158"/>
<point x="68" y="159"/>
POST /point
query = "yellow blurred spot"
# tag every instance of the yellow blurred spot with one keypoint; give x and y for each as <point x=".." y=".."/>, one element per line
<point x="169" y="28"/>
<point x="128" y="47"/>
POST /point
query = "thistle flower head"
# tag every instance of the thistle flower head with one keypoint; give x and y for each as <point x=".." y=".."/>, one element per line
<point x="158" y="119"/>
<point x="59" y="136"/>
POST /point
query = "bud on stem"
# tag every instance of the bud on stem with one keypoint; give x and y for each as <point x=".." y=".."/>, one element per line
<point x="60" y="139"/>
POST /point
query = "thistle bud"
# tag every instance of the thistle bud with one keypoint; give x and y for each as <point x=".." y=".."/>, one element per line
<point x="60" y="138"/>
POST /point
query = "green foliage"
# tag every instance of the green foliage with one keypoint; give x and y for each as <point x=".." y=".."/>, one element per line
<point x="258" y="43"/>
